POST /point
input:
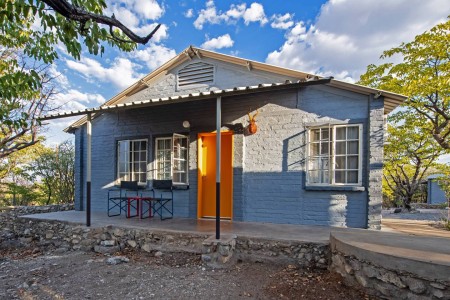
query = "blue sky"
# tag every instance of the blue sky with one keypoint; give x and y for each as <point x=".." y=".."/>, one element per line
<point x="338" y="38"/>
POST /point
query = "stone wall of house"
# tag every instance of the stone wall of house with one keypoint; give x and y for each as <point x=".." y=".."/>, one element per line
<point x="385" y="283"/>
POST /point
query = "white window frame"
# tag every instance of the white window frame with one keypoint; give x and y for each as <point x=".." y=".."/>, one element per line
<point x="130" y="160"/>
<point x="332" y="155"/>
<point x="173" y="158"/>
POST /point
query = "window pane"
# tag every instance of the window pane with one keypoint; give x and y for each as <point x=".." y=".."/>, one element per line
<point x="340" y="148"/>
<point x="314" y="149"/>
<point x="324" y="163"/>
<point x="340" y="133"/>
<point x="313" y="164"/>
<point x="353" y="133"/>
<point x="142" y="177"/>
<point x="352" y="162"/>
<point x="340" y="162"/>
<point x="352" y="147"/>
<point x="315" y="135"/>
<point x="325" y="177"/>
<point x="324" y="148"/>
<point x="136" y="156"/>
<point x="352" y="176"/>
<point x="339" y="176"/>
<point x="325" y="133"/>
<point x="314" y="177"/>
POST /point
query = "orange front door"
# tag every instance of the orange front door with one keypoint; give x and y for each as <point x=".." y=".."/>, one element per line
<point x="207" y="175"/>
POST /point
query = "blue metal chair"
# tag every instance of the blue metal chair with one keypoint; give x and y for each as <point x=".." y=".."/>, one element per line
<point x="118" y="197"/>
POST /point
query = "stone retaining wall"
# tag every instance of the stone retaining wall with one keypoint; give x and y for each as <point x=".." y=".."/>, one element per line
<point x="110" y="239"/>
<point x="29" y="210"/>
<point x="388" y="284"/>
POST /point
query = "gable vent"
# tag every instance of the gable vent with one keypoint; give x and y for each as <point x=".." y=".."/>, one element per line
<point x="196" y="73"/>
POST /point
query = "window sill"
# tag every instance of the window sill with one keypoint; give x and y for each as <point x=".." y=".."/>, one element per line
<point x="335" y="188"/>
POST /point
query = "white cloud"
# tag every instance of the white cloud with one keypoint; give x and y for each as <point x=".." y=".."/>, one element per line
<point x="255" y="13"/>
<point x="154" y="55"/>
<point x="220" y="42"/>
<point x="350" y="34"/>
<point x="282" y="21"/>
<point x="236" y="11"/>
<point x="122" y="72"/>
<point x="160" y="34"/>
<point x="149" y="9"/>
<point x="75" y="100"/>
<point x="189" y="13"/>
<point x="208" y="15"/>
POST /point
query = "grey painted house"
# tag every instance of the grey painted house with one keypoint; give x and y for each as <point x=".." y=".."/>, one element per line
<point x="316" y="157"/>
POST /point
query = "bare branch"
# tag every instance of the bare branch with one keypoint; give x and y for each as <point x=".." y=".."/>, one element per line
<point x="78" y="14"/>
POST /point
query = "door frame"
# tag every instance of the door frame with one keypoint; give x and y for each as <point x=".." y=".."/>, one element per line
<point x="199" y="168"/>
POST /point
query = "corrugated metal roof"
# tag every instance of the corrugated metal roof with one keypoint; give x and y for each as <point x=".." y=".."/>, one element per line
<point x="192" y="97"/>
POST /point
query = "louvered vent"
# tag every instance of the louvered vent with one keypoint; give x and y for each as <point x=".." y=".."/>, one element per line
<point x="196" y="73"/>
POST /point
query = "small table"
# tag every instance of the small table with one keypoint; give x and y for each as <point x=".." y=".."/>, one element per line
<point x="139" y="207"/>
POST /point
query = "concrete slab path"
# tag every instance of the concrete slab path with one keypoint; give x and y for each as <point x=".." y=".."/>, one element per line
<point x="314" y="234"/>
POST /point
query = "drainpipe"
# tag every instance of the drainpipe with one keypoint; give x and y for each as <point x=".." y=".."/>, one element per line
<point x="88" y="171"/>
<point x="218" y="136"/>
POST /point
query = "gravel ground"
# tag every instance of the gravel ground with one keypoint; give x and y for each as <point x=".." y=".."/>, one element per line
<point x="420" y="215"/>
<point x="31" y="274"/>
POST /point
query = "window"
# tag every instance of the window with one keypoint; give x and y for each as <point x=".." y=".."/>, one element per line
<point x="334" y="155"/>
<point x="194" y="74"/>
<point x="132" y="160"/>
<point x="171" y="158"/>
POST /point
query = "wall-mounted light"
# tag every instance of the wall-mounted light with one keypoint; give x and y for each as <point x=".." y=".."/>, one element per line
<point x="186" y="124"/>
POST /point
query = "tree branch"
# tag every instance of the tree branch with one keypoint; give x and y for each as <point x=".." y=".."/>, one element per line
<point x="78" y="14"/>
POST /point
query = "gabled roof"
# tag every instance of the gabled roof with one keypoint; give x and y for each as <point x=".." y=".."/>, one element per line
<point x="392" y="100"/>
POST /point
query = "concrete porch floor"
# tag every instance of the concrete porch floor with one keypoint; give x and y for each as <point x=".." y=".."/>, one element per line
<point x="313" y="234"/>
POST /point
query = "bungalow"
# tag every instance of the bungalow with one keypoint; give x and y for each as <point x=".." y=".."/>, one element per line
<point x="295" y="148"/>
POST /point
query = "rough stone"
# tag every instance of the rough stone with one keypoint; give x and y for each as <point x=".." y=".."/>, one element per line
<point x="158" y="254"/>
<point x="146" y="248"/>
<point x="392" y="278"/>
<point x="438" y="285"/>
<point x="49" y="234"/>
<point x="108" y="243"/>
<point x="114" y="260"/>
<point x="415" y="285"/>
<point x="106" y="250"/>
<point x="438" y="294"/>
<point x="118" y="232"/>
<point x="132" y="243"/>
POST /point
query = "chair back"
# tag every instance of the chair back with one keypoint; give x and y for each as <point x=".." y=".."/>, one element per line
<point x="129" y="185"/>
<point x="162" y="184"/>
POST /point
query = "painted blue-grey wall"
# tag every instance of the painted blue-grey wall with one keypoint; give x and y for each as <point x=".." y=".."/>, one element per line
<point x="269" y="167"/>
<point x="435" y="193"/>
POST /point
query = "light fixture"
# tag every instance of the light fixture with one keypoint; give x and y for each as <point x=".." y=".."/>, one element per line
<point x="186" y="124"/>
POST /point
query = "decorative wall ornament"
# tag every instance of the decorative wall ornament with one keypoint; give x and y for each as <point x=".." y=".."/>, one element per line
<point x="252" y="128"/>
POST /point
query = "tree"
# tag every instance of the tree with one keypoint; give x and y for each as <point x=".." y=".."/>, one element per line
<point x="409" y="155"/>
<point x="69" y="23"/>
<point x="55" y="169"/>
<point x="19" y="128"/>
<point x="423" y="76"/>
<point x="15" y="184"/>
